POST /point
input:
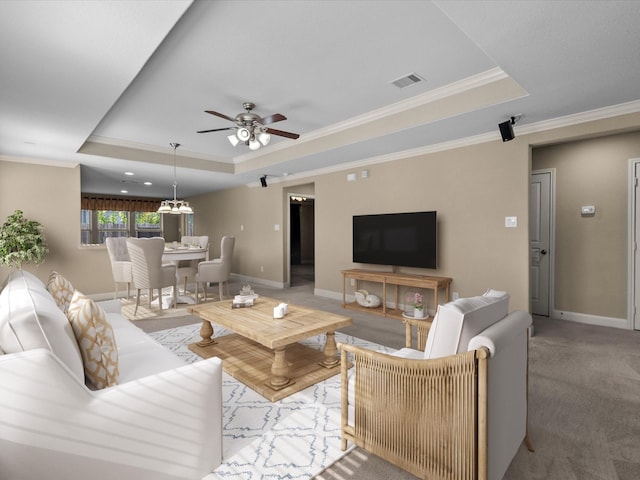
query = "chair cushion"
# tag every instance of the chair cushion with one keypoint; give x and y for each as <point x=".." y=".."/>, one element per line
<point x="60" y="289"/>
<point x="31" y="319"/>
<point x="95" y="339"/>
<point x="457" y="322"/>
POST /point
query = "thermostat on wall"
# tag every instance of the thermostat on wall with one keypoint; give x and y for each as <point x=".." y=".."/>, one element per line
<point x="588" y="210"/>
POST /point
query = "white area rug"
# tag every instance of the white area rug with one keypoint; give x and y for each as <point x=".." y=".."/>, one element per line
<point x="295" y="438"/>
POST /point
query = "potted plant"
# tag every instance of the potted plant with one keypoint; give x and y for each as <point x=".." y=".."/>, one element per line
<point x="416" y="300"/>
<point x="22" y="241"/>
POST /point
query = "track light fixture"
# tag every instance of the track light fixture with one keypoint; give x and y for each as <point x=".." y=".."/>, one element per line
<point x="263" y="181"/>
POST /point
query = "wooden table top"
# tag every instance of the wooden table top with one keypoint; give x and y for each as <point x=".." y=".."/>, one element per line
<point x="257" y="322"/>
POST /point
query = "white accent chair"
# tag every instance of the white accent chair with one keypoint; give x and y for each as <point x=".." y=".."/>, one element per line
<point x="455" y="408"/>
<point x="121" y="265"/>
<point x="188" y="268"/>
<point x="217" y="270"/>
<point x="148" y="270"/>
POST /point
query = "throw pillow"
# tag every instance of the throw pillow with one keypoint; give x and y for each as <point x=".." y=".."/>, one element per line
<point x="60" y="289"/>
<point x="95" y="338"/>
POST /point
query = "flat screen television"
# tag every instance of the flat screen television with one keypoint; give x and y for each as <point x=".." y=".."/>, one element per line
<point x="396" y="239"/>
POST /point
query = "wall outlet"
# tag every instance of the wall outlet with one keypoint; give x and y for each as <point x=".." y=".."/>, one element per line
<point x="262" y="268"/>
<point x="455" y="295"/>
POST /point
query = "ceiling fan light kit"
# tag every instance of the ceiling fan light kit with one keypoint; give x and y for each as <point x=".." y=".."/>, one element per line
<point x="251" y="129"/>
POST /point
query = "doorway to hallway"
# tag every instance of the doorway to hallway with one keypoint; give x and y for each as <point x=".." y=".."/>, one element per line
<point x="301" y="240"/>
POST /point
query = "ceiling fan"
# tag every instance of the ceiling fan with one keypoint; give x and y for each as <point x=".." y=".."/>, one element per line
<point x="251" y="129"/>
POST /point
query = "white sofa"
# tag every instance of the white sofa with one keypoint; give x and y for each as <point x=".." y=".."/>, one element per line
<point x="163" y="419"/>
<point x="493" y="345"/>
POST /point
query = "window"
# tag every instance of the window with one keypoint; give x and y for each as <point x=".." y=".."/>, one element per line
<point x="96" y="225"/>
<point x="117" y="216"/>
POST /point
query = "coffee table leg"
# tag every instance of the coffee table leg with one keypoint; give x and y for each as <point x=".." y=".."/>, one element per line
<point x="206" y="332"/>
<point x="330" y="351"/>
<point x="280" y="369"/>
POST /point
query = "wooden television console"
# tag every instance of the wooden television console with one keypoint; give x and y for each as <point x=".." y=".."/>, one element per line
<point x="395" y="280"/>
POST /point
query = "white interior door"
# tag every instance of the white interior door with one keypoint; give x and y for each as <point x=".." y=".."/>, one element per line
<point x="540" y="238"/>
<point x="636" y="255"/>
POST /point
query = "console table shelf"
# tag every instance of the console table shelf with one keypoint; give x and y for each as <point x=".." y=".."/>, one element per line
<point x="395" y="280"/>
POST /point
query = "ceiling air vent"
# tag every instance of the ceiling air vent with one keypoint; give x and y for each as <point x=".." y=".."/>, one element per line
<point x="407" y="80"/>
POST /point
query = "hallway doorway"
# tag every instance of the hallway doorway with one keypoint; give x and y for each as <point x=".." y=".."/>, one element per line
<point x="301" y="240"/>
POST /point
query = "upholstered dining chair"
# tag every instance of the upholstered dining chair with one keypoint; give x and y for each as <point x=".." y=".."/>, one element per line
<point x="217" y="270"/>
<point x="120" y="263"/>
<point x="148" y="270"/>
<point x="188" y="268"/>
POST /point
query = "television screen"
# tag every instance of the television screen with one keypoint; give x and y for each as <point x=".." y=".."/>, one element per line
<point x="396" y="239"/>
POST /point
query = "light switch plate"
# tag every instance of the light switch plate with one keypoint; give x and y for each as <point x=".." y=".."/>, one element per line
<point x="588" y="210"/>
<point x="510" y="222"/>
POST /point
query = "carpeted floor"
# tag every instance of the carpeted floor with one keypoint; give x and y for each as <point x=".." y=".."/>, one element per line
<point x="584" y="397"/>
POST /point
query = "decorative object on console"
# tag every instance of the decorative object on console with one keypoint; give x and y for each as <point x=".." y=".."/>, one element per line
<point x="416" y="300"/>
<point x="22" y="241"/>
<point x="367" y="299"/>
<point x="175" y="206"/>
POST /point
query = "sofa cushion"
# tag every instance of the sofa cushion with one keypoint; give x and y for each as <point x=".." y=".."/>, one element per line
<point x="31" y="319"/>
<point x="60" y="289"/>
<point x="95" y="339"/>
<point x="459" y="321"/>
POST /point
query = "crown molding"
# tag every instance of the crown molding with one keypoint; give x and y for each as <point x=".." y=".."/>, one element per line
<point x="545" y="125"/>
<point x="475" y="81"/>
<point x="583" y="117"/>
<point x="39" y="161"/>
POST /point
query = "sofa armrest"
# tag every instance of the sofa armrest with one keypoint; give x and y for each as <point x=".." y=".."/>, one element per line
<point x="111" y="306"/>
<point x="164" y="426"/>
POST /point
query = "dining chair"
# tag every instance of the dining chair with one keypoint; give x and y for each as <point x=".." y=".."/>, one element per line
<point x="188" y="268"/>
<point x="148" y="270"/>
<point x="217" y="270"/>
<point x="121" y="266"/>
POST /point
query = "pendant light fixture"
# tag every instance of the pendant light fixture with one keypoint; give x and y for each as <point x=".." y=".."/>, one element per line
<point x="175" y="206"/>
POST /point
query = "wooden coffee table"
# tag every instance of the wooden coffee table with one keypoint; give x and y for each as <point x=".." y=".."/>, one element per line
<point x="264" y="353"/>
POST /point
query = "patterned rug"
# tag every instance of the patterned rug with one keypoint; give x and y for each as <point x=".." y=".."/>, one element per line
<point x="295" y="438"/>
<point x="153" y="311"/>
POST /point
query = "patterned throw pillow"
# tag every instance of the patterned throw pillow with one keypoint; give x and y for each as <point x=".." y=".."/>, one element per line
<point x="60" y="289"/>
<point x="95" y="339"/>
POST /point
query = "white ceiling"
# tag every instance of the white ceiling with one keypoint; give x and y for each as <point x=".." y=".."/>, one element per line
<point x="109" y="84"/>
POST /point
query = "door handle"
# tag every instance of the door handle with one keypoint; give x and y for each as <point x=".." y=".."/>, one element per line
<point x="543" y="252"/>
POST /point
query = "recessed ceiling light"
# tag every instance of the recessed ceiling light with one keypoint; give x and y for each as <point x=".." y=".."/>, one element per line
<point x="128" y="173"/>
<point x="124" y="191"/>
<point x="148" y="183"/>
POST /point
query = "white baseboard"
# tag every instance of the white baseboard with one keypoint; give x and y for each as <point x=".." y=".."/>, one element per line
<point x="252" y="280"/>
<point x="592" y="319"/>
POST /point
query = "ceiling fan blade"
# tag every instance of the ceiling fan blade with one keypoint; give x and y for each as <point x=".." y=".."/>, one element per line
<point x="215" y="130"/>
<point x="221" y="115"/>
<point x="273" y="131"/>
<point x="276" y="117"/>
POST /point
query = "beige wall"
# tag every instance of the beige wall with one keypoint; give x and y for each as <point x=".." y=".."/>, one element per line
<point x="51" y="195"/>
<point x="472" y="188"/>
<point x="591" y="252"/>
